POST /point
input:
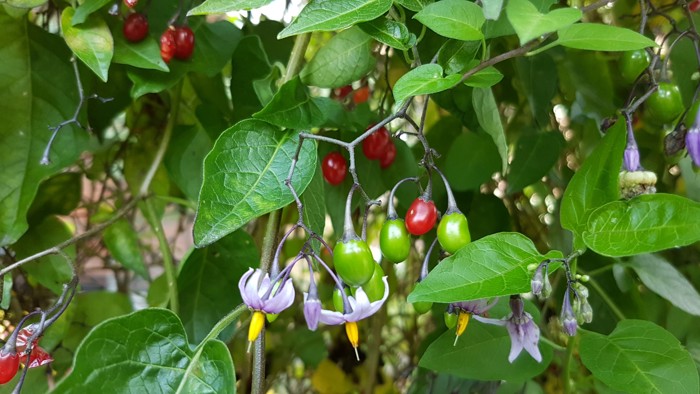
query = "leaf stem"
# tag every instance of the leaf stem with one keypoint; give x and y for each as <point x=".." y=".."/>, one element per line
<point x="567" y="365"/>
<point x="606" y="298"/>
<point x="223" y="323"/>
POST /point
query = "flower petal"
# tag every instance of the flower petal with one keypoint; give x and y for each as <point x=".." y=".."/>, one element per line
<point x="331" y="318"/>
<point x="532" y="339"/>
<point x="495" y="322"/>
<point x="243" y="287"/>
<point x="280" y="301"/>
<point x="516" y="343"/>
<point x="374" y="306"/>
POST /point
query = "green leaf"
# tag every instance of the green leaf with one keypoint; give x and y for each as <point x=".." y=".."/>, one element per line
<point x="249" y="63"/>
<point x="143" y="54"/>
<point x="123" y="244"/>
<point x="58" y="195"/>
<point x="663" y="278"/>
<point x="244" y="177"/>
<point x="538" y="77"/>
<point x="534" y="157"/>
<point x="529" y="23"/>
<point x="224" y="6"/>
<point x="114" y="356"/>
<point x="389" y="32"/>
<point x="596" y="182"/>
<point x="51" y="271"/>
<point x="639" y="357"/>
<point x="87" y="8"/>
<point x="414" y="5"/>
<point x="492" y="345"/>
<point x="425" y="79"/>
<point x="485" y="78"/>
<point x="215" y="45"/>
<point x="293" y="108"/>
<point x="91" y="42"/>
<point x="645" y="224"/>
<point x="26" y="3"/>
<point x="456" y="56"/>
<point x="184" y="158"/>
<point x="600" y="37"/>
<point x="490" y="120"/>
<point x="492" y="266"/>
<point x="328" y="15"/>
<point x="347" y="57"/>
<point x="458" y="19"/>
<point x="492" y="9"/>
<point x="208" y="280"/>
<point x="468" y="172"/>
<point x="29" y="102"/>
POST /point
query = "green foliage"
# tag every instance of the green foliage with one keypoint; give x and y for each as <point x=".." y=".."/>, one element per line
<point x="243" y="177"/>
<point x="631" y="358"/>
<point x="105" y="365"/>
<point x="167" y="181"/>
<point x="490" y="267"/>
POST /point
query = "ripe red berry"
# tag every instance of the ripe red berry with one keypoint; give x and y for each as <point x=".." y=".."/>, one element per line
<point x="167" y="44"/>
<point x="334" y="167"/>
<point x="184" y="42"/>
<point x="361" y="95"/>
<point x="389" y="155"/>
<point x="341" y="93"/>
<point x="135" y="27"/>
<point x="374" y="145"/>
<point x="131" y="3"/>
<point x="9" y="365"/>
<point x="694" y="6"/>
<point x="421" y="216"/>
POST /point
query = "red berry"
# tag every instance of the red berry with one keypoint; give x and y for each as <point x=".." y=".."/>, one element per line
<point x="374" y="145"/>
<point x="131" y="3"/>
<point x="184" y="42"/>
<point x="421" y="216"/>
<point x="135" y="27"/>
<point x="361" y="95"/>
<point x="9" y="365"/>
<point x="167" y="44"/>
<point x="341" y="93"/>
<point x="389" y="155"/>
<point x="335" y="168"/>
<point x="694" y="6"/>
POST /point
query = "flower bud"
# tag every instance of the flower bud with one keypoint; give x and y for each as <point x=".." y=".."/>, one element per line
<point x="586" y="312"/>
<point x="631" y="158"/>
<point x="546" y="288"/>
<point x="568" y="318"/>
<point x="537" y="282"/>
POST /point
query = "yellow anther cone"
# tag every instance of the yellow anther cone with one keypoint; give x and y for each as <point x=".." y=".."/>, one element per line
<point x="353" y="335"/>
<point x="462" y="322"/>
<point x="257" y="322"/>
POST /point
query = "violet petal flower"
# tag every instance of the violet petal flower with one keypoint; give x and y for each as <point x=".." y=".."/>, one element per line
<point x="537" y="281"/>
<point x="475" y="307"/>
<point x="312" y="311"/>
<point x="360" y="307"/>
<point x="631" y="158"/>
<point x="524" y="333"/>
<point x="568" y="318"/>
<point x="255" y="292"/>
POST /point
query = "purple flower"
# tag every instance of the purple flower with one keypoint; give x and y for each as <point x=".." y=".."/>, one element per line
<point x="692" y="143"/>
<point x="568" y="318"/>
<point x="524" y="333"/>
<point x="312" y="306"/>
<point x="360" y="308"/>
<point x="260" y="296"/>
<point x="631" y="158"/>
<point x="475" y="307"/>
<point x="537" y="281"/>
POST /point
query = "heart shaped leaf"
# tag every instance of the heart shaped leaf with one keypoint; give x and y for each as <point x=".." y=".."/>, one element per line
<point x="328" y="15"/>
<point x="458" y="19"/>
<point x="425" y="79"/>
<point x="91" y="41"/>
<point x="244" y="177"/>
<point x="147" y="351"/>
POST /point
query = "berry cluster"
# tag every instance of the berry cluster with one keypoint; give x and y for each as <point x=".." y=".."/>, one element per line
<point x="177" y="42"/>
<point x="377" y="146"/>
